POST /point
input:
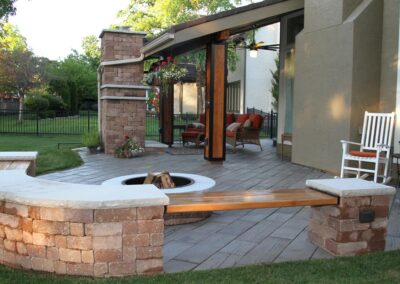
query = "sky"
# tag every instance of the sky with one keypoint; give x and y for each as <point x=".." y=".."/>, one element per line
<point x="54" y="27"/>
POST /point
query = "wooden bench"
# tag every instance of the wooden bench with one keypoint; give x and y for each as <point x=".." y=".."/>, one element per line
<point x="237" y="200"/>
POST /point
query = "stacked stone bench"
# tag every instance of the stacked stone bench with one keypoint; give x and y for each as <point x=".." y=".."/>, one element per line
<point x="106" y="231"/>
<point x="76" y="229"/>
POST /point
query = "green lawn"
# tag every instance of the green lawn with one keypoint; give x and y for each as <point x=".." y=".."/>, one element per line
<point x="50" y="158"/>
<point x="373" y="268"/>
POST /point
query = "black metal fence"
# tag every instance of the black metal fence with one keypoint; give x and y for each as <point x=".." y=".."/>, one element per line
<point x="66" y="123"/>
<point x="47" y="122"/>
<point x="269" y="128"/>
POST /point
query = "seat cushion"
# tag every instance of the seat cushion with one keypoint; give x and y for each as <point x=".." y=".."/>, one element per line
<point x="233" y="126"/>
<point x="364" y="154"/>
<point x="256" y="120"/>
<point x="230" y="133"/>
<point x="242" y="118"/>
<point x="190" y="134"/>
<point x="247" y="123"/>
<point x="196" y="125"/>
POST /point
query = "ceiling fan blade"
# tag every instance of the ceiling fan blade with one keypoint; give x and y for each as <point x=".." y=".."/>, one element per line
<point x="273" y="47"/>
<point x="258" y="44"/>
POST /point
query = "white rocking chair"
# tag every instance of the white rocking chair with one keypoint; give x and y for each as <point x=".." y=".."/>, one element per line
<point x="375" y="146"/>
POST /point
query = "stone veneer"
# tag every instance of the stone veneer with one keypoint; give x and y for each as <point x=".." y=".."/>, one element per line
<point x="99" y="242"/>
<point x="337" y="228"/>
<point x="121" y="117"/>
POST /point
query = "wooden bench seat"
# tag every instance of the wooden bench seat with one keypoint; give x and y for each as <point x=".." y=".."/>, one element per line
<point x="236" y="200"/>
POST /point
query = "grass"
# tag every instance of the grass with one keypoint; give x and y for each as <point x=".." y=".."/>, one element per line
<point x="50" y="158"/>
<point x="372" y="268"/>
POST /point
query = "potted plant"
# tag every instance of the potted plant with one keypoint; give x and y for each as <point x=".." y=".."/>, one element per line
<point x="91" y="139"/>
<point x="164" y="73"/>
<point x="130" y="148"/>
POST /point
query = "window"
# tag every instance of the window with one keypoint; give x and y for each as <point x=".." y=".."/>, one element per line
<point x="233" y="97"/>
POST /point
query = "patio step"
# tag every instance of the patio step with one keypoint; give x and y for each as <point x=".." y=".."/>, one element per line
<point x="237" y="200"/>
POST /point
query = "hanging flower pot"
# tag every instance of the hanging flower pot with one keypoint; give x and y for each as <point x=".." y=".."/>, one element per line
<point x="165" y="73"/>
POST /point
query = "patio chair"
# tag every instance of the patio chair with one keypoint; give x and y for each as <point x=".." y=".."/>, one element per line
<point x="248" y="132"/>
<point x="375" y="147"/>
<point x="194" y="132"/>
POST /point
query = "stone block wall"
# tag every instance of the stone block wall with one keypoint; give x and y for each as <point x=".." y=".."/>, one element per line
<point x="121" y="117"/>
<point x="337" y="229"/>
<point x="99" y="242"/>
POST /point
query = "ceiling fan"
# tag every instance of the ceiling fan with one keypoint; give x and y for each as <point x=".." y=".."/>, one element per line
<point x="254" y="46"/>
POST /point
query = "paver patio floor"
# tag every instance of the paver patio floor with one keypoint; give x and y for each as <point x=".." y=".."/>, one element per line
<point x="230" y="238"/>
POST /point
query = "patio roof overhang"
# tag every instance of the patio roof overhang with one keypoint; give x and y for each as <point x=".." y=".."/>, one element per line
<point x="196" y="34"/>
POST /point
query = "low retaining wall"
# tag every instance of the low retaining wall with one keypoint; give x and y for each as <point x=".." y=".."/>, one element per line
<point x="100" y="242"/>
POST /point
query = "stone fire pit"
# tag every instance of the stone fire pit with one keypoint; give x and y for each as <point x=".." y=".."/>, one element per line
<point x="185" y="183"/>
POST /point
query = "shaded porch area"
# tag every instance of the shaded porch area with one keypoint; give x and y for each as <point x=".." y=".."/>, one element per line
<point x="231" y="238"/>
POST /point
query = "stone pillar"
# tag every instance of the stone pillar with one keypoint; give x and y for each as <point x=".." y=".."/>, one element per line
<point x="122" y="95"/>
<point x="357" y="225"/>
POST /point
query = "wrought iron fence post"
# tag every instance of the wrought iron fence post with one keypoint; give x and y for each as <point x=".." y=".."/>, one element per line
<point x="37" y="123"/>
<point x="88" y="120"/>
<point x="271" y="124"/>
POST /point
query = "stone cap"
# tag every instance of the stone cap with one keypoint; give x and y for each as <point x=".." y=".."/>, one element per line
<point x="350" y="187"/>
<point x="18" y="156"/>
<point x="127" y="31"/>
<point x="16" y="186"/>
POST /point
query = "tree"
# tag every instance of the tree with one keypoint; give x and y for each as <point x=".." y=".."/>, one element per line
<point x="19" y="72"/>
<point x="154" y="16"/>
<point x="74" y="79"/>
<point x="11" y="38"/>
<point x="275" y="84"/>
<point x="7" y="8"/>
<point x="91" y="49"/>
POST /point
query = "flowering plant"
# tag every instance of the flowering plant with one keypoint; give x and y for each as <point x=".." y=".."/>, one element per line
<point x="165" y="72"/>
<point x="129" y="148"/>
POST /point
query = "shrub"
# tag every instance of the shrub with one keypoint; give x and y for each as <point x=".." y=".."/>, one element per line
<point x="55" y="102"/>
<point x="91" y="139"/>
<point x="36" y="103"/>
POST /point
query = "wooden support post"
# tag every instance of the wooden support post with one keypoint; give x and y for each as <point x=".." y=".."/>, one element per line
<point x="167" y="116"/>
<point x="216" y="73"/>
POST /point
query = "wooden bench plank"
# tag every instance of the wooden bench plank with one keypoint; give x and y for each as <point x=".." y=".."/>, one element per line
<point x="4" y="165"/>
<point x="19" y="165"/>
<point x="236" y="200"/>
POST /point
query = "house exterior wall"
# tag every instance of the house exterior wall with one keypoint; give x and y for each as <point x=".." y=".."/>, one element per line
<point x="337" y="78"/>
<point x="254" y="74"/>
<point x="189" y="98"/>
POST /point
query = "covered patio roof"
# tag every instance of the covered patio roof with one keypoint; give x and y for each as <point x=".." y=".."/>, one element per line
<point x="195" y="34"/>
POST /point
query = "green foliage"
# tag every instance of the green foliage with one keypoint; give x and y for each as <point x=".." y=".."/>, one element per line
<point x="91" y="139"/>
<point x="55" y="102"/>
<point x="92" y="52"/>
<point x="36" y="103"/>
<point x="7" y="8"/>
<point x="74" y="79"/>
<point x="154" y="16"/>
<point x="11" y="38"/>
<point x="275" y="84"/>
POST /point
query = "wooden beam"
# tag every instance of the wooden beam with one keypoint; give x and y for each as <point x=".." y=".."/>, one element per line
<point x="216" y="74"/>
<point x="222" y="35"/>
<point x="237" y="200"/>
<point x="167" y="116"/>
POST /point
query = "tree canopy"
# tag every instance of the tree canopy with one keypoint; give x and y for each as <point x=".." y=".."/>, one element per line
<point x="154" y="16"/>
<point x="6" y="8"/>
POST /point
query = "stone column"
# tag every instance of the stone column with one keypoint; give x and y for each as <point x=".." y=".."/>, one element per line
<point x="122" y="95"/>
<point x="357" y="225"/>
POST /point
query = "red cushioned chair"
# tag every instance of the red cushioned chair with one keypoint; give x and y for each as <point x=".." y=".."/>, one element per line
<point x="194" y="132"/>
<point x="246" y="134"/>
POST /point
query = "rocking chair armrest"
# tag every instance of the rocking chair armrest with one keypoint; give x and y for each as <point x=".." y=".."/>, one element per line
<point x="384" y="147"/>
<point x="349" y="142"/>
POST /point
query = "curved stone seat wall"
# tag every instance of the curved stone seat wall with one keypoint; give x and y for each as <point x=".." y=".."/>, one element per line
<point x="99" y="242"/>
<point x="78" y="229"/>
